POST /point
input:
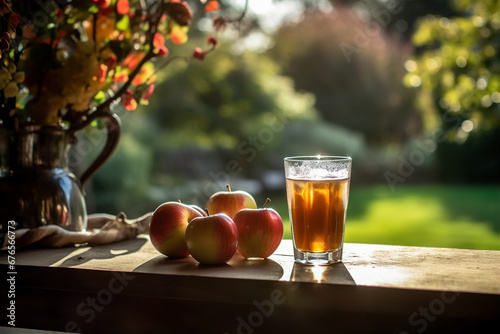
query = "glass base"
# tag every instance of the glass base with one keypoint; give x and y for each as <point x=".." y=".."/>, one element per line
<point x="320" y="259"/>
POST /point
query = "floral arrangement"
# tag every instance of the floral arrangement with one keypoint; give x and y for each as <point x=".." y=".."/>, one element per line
<point x="62" y="60"/>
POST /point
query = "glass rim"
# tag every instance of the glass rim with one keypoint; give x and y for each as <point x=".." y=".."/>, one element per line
<point x="318" y="158"/>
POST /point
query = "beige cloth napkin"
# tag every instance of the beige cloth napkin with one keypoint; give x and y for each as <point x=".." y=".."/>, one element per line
<point x="102" y="229"/>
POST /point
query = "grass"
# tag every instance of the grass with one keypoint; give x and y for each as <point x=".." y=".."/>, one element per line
<point x="427" y="215"/>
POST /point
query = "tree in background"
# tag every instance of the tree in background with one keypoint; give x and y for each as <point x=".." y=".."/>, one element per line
<point x="458" y="69"/>
<point x="354" y="68"/>
<point x="225" y="99"/>
<point x="399" y="17"/>
<point x="228" y="108"/>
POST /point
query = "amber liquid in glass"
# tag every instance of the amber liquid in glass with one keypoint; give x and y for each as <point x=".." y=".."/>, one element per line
<point x="317" y="213"/>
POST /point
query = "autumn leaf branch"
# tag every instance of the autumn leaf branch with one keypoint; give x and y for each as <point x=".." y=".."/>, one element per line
<point x="153" y="28"/>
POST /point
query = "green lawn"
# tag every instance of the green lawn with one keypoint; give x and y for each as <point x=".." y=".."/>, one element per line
<point x="427" y="215"/>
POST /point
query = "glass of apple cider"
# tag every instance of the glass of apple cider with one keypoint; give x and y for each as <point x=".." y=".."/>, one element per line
<point x="317" y="190"/>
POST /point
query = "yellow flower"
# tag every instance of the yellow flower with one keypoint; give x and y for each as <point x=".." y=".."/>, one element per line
<point x="5" y="77"/>
<point x="11" y="89"/>
<point x="18" y="77"/>
<point x="106" y="28"/>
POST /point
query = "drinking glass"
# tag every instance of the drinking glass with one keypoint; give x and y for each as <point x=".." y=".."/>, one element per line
<point x="317" y="190"/>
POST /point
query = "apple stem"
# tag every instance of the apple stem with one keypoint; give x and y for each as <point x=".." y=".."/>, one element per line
<point x="228" y="187"/>
<point x="208" y="213"/>
<point x="267" y="202"/>
<point x="179" y="201"/>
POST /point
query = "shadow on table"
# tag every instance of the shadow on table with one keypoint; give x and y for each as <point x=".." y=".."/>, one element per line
<point x="238" y="267"/>
<point x="47" y="256"/>
<point x="104" y="252"/>
<point x="335" y="274"/>
<point x="101" y="252"/>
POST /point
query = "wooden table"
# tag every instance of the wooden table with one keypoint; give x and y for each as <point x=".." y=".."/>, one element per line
<point x="128" y="287"/>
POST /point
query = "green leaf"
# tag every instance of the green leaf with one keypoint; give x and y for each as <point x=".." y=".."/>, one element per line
<point x="100" y="97"/>
<point x="123" y="24"/>
<point x="93" y="9"/>
<point x="424" y="33"/>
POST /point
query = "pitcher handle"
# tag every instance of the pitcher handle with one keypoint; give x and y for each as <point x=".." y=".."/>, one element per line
<point x="113" y="127"/>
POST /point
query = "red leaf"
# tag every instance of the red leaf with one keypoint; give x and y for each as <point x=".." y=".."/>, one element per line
<point x="212" y="5"/>
<point x="163" y="52"/>
<point x="180" y="12"/>
<point x="178" y="35"/>
<point x="111" y="62"/>
<point x="120" y="77"/>
<point x="102" y="3"/>
<point x="128" y="100"/>
<point x="106" y="11"/>
<point x="198" y="54"/>
<point x="158" y="41"/>
<point x="101" y="73"/>
<point x="4" y="44"/>
<point x="138" y="79"/>
<point x="14" y="20"/>
<point x="122" y="7"/>
<point x="6" y="36"/>
<point x="148" y="92"/>
<point x="212" y="40"/>
<point x="133" y="60"/>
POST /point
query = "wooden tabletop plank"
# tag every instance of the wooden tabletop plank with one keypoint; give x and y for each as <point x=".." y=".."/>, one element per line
<point x="426" y="268"/>
<point x="128" y="287"/>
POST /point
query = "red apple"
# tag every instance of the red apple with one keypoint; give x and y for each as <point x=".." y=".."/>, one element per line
<point x="200" y="210"/>
<point x="197" y="208"/>
<point x="212" y="239"/>
<point x="168" y="226"/>
<point x="260" y="231"/>
<point x="230" y="202"/>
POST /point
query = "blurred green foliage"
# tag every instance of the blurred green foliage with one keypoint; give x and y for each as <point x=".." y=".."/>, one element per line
<point x="227" y="108"/>
<point x="304" y="97"/>
<point x="224" y="99"/>
<point x="354" y="69"/>
<point x="458" y="68"/>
